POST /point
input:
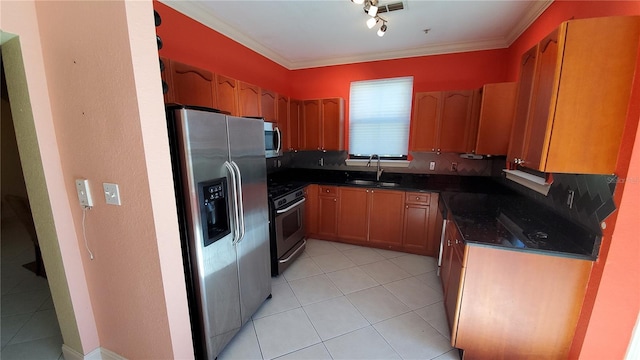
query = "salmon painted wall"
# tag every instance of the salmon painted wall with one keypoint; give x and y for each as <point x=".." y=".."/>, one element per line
<point x="556" y="13"/>
<point x="44" y="179"/>
<point x="99" y="96"/>
<point x="188" y="41"/>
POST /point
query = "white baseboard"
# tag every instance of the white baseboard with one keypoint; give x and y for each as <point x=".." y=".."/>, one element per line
<point x="97" y="354"/>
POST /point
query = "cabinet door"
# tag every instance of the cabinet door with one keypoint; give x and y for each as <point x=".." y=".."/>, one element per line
<point x="268" y="105"/>
<point x="454" y="291"/>
<point x="515" y="152"/>
<point x="282" y="111"/>
<point x="192" y="85"/>
<point x="445" y="268"/>
<point x="538" y="126"/>
<point x="416" y="228"/>
<point x="293" y="126"/>
<point x="352" y="215"/>
<point x="311" y="209"/>
<point x="456" y="116"/>
<point x="386" y="215"/>
<point x="332" y="112"/>
<point x="311" y="125"/>
<point x="327" y="216"/>
<point x="496" y="118"/>
<point x="227" y="94"/>
<point x="167" y="83"/>
<point x="424" y="125"/>
<point x="248" y="99"/>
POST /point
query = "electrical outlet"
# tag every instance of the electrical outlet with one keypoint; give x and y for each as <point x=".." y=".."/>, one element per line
<point x="84" y="193"/>
<point x="432" y="165"/>
<point x="111" y="193"/>
<point x="570" y="199"/>
<point x="321" y="162"/>
<point x="454" y="166"/>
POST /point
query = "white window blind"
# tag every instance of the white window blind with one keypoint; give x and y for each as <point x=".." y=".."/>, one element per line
<point x="379" y="116"/>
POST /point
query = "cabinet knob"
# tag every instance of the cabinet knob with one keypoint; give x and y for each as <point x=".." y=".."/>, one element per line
<point x="406" y="207"/>
<point x="417" y="198"/>
<point x="448" y="242"/>
<point x="367" y="190"/>
<point x="327" y="190"/>
<point x="334" y="200"/>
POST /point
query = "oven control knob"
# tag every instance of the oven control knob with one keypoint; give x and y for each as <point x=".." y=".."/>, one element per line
<point x="281" y="202"/>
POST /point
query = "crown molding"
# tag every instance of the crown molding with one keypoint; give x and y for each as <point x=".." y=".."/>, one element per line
<point x="535" y="10"/>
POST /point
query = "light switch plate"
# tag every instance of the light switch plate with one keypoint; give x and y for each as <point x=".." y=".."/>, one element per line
<point x="84" y="193"/>
<point x="111" y="193"/>
<point x="432" y="165"/>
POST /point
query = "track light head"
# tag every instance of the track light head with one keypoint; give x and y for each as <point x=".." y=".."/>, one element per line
<point x="359" y="2"/>
<point x="373" y="10"/>
<point x="372" y="22"/>
<point x="382" y="30"/>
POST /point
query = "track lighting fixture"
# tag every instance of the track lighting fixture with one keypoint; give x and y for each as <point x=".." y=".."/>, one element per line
<point x="371" y="8"/>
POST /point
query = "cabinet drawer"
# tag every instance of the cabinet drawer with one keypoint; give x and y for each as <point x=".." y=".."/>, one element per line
<point x="328" y="191"/>
<point x="417" y="198"/>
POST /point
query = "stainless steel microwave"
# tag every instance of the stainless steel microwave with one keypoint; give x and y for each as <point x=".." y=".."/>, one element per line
<point x="272" y="140"/>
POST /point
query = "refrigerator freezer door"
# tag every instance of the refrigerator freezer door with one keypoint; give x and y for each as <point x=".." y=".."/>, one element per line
<point x="204" y="151"/>
<point x="246" y="140"/>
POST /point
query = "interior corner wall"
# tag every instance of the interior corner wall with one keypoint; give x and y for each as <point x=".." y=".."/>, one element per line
<point x="96" y="117"/>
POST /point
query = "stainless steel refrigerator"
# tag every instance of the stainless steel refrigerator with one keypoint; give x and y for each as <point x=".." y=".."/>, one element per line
<point x="219" y="171"/>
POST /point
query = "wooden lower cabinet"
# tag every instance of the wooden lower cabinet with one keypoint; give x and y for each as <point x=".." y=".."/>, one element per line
<point x="386" y="214"/>
<point x="353" y="214"/>
<point x="527" y="305"/>
<point x="373" y="217"/>
<point x="311" y="210"/>
<point x="328" y="212"/>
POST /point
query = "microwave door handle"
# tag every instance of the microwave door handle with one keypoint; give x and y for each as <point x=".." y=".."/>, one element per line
<point x="282" y="211"/>
<point x="236" y="222"/>
<point x="240" y="204"/>
<point x="279" y="140"/>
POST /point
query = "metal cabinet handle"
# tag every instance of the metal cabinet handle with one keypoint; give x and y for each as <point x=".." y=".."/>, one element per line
<point x="279" y="147"/>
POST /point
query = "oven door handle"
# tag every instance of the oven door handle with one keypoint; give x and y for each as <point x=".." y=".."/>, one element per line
<point x="282" y="211"/>
<point x="236" y="221"/>
<point x="304" y="242"/>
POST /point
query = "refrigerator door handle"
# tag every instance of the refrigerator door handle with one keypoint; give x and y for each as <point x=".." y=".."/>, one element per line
<point x="239" y="199"/>
<point x="236" y="222"/>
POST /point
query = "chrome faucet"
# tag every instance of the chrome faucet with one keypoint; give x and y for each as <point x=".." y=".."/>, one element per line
<point x="378" y="170"/>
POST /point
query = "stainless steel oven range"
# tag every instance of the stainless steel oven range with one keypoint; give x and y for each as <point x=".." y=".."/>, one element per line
<point x="286" y="228"/>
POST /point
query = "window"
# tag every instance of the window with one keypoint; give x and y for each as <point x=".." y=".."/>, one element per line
<point x="379" y="116"/>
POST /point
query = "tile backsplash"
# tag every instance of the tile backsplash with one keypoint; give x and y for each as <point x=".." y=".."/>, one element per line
<point x="592" y="200"/>
<point x="335" y="160"/>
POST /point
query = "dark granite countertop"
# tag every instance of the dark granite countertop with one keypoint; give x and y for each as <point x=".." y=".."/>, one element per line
<point x="513" y="222"/>
<point x="486" y="212"/>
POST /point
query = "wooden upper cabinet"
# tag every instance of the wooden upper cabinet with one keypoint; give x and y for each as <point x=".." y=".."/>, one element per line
<point x="455" y="118"/>
<point x="443" y="121"/>
<point x="515" y="150"/>
<point x="424" y="127"/>
<point x="293" y="125"/>
<point x="248" y="99"/>
<point x="386" y="215"/>
<point x="227" y="94"/>
<point x="268" y="106"/>
<point x="581" y="90"/>
<point x="332" y="112"/>
<point x="353" y="218"/>
<point x="496" y="118"/>
<point x="311" y="125"/>
<point x="167" y="82"/>
<point x="282" y="118"/>
<point x="537" y="124"/>
<point x="191" y="85"/>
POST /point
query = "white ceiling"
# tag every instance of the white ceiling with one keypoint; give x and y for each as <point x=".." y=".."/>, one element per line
<point x="310" y="33"/>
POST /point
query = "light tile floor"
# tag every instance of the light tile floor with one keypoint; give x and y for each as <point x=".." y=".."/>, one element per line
<point x="340" y="301"/>
<point x="29" y="327"/>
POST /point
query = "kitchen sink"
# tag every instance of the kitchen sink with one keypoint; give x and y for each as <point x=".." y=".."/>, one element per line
<point x="372" y="183"/>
